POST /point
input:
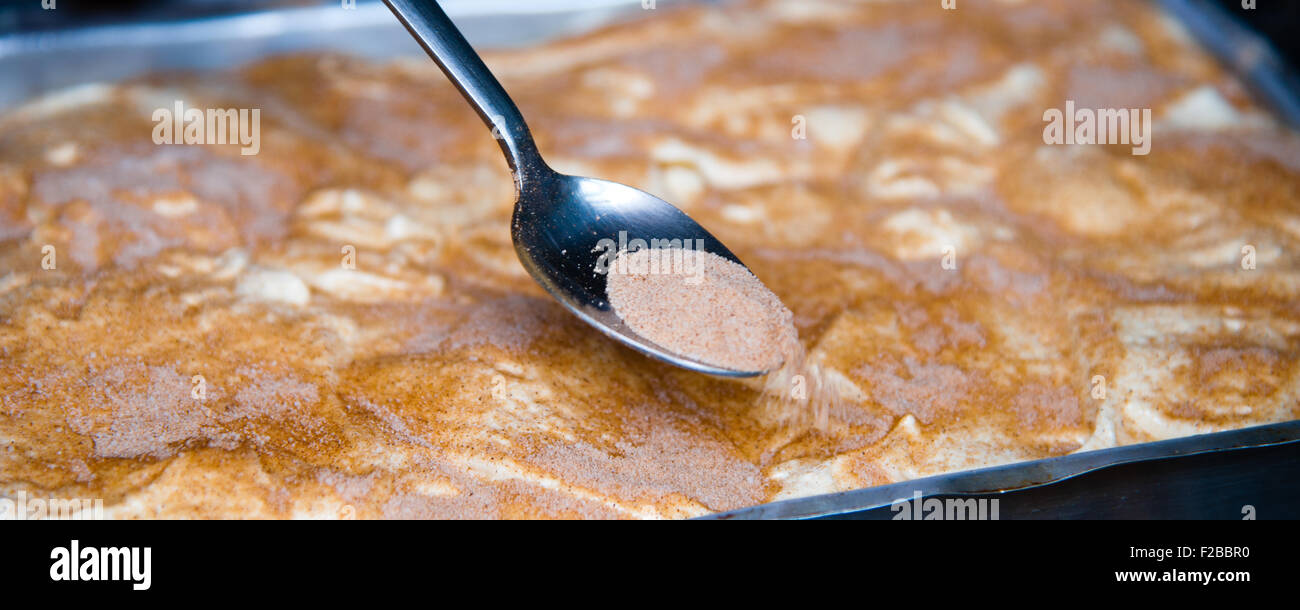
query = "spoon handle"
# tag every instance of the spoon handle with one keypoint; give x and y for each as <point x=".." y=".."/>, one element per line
<point x="431" y="27"/>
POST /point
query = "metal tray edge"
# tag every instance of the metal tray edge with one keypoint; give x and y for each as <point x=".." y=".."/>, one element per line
<point x="1017" y="476"/>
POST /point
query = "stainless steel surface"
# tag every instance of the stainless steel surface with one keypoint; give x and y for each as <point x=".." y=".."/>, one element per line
<point x="36" y="63"/>
<point x="1243" y="52"/>
<point x="1225" y="484"/>
<point x="1000" y="480"/>
<point x="31" y="65"/>
<point x="559" y="220"/>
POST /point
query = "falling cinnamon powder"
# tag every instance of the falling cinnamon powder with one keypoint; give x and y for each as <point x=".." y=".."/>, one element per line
<point x="702" y="306"/>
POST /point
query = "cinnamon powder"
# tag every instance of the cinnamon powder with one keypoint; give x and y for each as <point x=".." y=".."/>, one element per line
<point x="713" y="310"/>
<point x="702" y="306"/>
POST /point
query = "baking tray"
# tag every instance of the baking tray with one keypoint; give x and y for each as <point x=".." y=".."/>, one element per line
<point x="35" y="63"/>
<point x="1270" y="78"/>
<point x="1272" y="453"/>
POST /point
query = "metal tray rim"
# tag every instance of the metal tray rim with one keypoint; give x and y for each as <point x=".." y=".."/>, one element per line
<point x="1018" y="475"/>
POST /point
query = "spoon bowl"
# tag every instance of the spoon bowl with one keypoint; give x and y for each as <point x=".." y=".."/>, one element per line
<point x="566" y="229"/>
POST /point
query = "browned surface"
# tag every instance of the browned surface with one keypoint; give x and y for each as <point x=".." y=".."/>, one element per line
<point x="436" y="379"/>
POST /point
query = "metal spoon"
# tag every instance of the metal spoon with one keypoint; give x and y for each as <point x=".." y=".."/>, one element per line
<point x="558" y="219"/>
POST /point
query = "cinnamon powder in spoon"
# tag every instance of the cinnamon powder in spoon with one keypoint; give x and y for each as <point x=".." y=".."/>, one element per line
<point x="703" y="306"/>
<point x="708" y="308"/>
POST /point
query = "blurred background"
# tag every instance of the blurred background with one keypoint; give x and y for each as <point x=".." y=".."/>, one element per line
<point x="1275" y="19"/>
<point x="28" y="15"/>
<point x="81" y="40"/>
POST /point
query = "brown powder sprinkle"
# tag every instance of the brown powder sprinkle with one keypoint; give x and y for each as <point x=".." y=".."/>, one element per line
<point x="702" y="306"/>
<point x="706" y="307"/>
